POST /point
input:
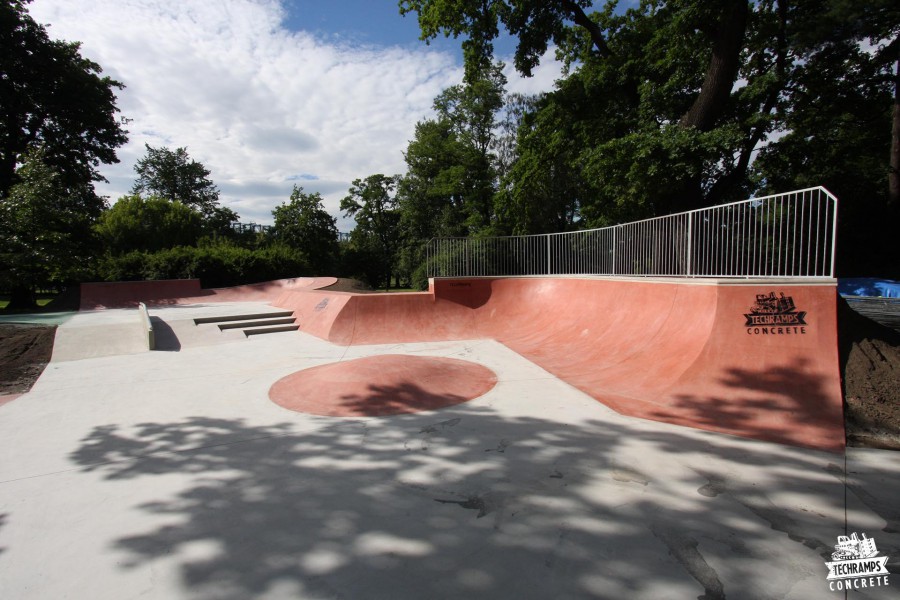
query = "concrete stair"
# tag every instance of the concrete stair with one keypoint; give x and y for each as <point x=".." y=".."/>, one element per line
<point x="255" y="323"/>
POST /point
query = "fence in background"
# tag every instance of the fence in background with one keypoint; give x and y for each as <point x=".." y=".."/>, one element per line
<point x="782" y="235"/>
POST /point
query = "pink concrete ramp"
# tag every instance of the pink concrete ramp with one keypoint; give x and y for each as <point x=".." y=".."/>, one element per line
<point x="127" y="294"/>
<point x="757" y="360"/>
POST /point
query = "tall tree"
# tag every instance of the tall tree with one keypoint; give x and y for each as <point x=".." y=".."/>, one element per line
<point x="452" y="167"/>
<point x="44" y="234"/>
<point x="839" y="126"/>
<point x="373" y="203"/>
<point x="659" y="82"/>
<point x="52" y="97"/>
<point x="175" y="176"/>
<point x="304" y="224"/>
<point x="543" y="188"/>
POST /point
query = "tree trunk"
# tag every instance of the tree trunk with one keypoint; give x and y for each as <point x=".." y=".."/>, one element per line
<point x="728" y="39"/>
<point x="894" y="171"/>
<point x="22" y="298"/>
<point x="724" y="64"/>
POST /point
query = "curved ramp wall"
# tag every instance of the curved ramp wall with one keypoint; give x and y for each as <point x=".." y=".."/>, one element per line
<point x="751" y="359"/>
<point x="128" y="294"/>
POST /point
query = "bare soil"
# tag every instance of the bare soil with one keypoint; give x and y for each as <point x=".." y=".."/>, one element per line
<point x="870" y="370"/>
<point x="24" y="352"/>
<point x="869" y="359"/>
<point x="349" y="285"/>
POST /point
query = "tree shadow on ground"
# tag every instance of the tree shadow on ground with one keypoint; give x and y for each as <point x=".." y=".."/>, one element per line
<point x="402" y="398"/>
<point x="470" y="503"/>
<point x="787" y="405"/>
<point x="3" y="518"/>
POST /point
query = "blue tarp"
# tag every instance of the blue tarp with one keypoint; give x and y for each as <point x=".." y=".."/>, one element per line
<point x="869" y="286"/>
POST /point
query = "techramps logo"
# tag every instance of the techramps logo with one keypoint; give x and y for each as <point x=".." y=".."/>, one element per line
<point x="856" y="564"/>
<point x="775" y="315"/>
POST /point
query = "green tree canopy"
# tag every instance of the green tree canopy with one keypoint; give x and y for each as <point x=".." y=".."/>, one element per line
<point x="667" y="105"/>
<point x="52" y="97"/>
<point x="373" y="203"/>
<point x="304" y="224"/>
<point x="651" y="116"/>
<point x="175" y="176"/>
<point x="840" y="127"/>
<point x="451" y="164"/>
<point x="44" y="234"/>
<point x="148" y="224"/>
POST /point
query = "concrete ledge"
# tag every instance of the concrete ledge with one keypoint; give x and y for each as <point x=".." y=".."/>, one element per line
<point x="147" y="325"/>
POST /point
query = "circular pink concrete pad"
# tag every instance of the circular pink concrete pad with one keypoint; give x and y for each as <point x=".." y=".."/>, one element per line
<point x="390" y="384"/>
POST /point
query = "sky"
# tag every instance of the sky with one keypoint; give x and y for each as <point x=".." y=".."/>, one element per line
<point x="268" y="94"/>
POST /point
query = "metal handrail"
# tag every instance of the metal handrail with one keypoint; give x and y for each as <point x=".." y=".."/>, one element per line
<point x="780" y="235"/>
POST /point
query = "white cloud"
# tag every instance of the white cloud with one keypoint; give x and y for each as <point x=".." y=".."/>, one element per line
<point x="261" y="107"/>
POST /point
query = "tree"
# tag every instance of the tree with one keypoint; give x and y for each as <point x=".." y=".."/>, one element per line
<point x="667" y="105"/>
<point x="653" y="86"/>
<point x="44" y="234"/>
<point x="148" y="224"/>
<point x="452" y="168"/>
<point x="304" y="224"/>
<point x="373" y="203"/>
<point x="175" y="176"/>
<point x="52" y="97"/>
<point x="839" y="127"/>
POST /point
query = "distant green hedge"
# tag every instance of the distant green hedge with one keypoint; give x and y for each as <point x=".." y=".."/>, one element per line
<point x="216" y="265"/>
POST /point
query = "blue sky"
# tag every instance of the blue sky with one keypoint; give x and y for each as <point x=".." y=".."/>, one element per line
<point x="377" y="22"/>
<point x="268" y="94"/>
<point x="374" y="22"/>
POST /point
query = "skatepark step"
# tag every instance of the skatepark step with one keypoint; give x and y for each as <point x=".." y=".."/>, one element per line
<point x="244" y="317"/>
<point x="276" y="329"/>
<point x="256" y="323"/>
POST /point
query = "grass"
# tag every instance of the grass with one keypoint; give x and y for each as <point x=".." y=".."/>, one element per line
<point x="43" y="300"/>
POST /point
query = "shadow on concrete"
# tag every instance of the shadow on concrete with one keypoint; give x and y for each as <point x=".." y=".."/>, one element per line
<point x="384" y="400"/>
<point x="3" y="517"/>
<point x="467" y="503"/>
<point x="165" y="337"/>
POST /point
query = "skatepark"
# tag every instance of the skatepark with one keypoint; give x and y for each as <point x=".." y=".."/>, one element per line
<point x="542" y="436"/>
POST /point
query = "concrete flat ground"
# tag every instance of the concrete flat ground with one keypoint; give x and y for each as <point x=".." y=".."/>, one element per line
<point x="170" y="474"/>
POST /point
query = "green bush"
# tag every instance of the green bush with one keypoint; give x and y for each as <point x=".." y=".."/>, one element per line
<point x="215" y="264"/>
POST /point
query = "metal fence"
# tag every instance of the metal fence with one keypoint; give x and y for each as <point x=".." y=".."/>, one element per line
<point x="783" y="235"/>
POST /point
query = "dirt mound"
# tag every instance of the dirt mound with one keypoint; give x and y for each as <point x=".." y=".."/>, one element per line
<point x="349" y="285"/>
<point x="24" y="352"/>
<point x="870" y="369"/>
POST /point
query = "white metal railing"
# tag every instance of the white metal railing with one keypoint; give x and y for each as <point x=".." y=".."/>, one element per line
<point x="782" y="235"/>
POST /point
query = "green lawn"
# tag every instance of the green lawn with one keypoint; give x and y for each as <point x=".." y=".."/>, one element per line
<point x="42" y="301"/>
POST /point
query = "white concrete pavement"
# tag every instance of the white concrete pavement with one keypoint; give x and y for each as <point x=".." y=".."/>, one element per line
<point x="126" y="473"/>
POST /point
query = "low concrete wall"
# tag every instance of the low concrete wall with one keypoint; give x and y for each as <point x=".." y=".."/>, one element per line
<point x="147" y="325"/>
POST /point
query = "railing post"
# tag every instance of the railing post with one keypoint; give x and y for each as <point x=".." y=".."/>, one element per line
<point x="833" y="202"/>
<point x="615" y="245"/>
<point x="689" y="245"/>
<point x="548" y="255"/>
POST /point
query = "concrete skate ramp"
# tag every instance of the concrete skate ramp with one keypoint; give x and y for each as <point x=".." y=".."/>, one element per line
<point x="127" y="294"/>
<point x="757" y="360"/>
